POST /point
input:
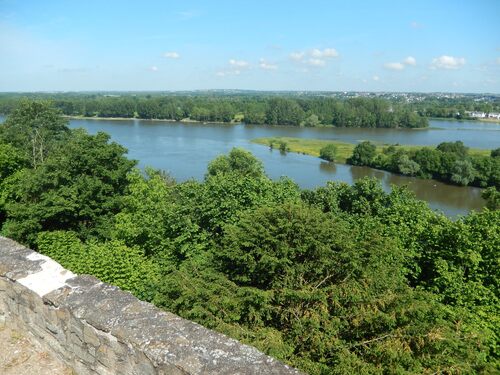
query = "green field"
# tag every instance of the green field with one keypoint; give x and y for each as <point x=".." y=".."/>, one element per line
<point x="344" y="149"/>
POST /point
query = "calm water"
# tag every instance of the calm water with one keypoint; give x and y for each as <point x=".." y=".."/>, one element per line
<point x="184" y="150"/>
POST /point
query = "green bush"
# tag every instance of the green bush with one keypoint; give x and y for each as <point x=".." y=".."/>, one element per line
<point x="328" y="152"/>
<point x="112" y="262"/>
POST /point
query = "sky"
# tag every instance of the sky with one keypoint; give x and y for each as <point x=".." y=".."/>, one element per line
<point x="351" y="45"/>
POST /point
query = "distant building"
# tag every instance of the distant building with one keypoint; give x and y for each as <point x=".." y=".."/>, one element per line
<point x="495" y="115"/>
<point x="476" y="114"/>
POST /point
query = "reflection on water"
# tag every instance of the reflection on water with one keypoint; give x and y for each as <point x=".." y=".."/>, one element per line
<point x="327" y="167"/>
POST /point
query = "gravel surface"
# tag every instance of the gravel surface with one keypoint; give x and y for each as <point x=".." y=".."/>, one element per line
<point x="20" y="355"/>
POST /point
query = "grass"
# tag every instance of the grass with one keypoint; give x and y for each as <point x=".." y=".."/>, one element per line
<point x="344" y="149"/>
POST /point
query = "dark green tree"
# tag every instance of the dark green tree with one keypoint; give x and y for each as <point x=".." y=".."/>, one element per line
<point x="492" y="197"/>
<point x="363" y="154"/>
<point x="457" y="148"/>
<point x="237" y="161"/>
<point x="463" y="172"/>
<point x="78" y="187"/>
<point x="328" y="152"/>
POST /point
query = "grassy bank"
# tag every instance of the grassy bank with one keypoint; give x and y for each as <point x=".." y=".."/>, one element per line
<point x="476" y="120"/>
<point x="344" y="149"/>
<point x="309" y="146"/>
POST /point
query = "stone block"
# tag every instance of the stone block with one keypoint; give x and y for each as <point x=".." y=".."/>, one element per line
<point x="90" y="336"/>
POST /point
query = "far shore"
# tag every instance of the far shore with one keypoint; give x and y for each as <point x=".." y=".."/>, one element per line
<point x="494" y="120"/>
<point x="488" y="120"/>
<point x="190" y="121"/>
<point x="186" y="121"/>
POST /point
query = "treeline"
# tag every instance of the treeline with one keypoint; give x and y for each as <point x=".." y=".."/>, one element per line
<point x="271" y="110"/>
<point x="449" y="162"/>
<point x="341" y="279"/>
<point x="454" y="107"/>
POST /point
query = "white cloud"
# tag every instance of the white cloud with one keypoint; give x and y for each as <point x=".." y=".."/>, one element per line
<point x="225" y="73"/>
<point x="330" y="52"/>
<point x="447" y="62"/>
<point x="376" y="78"/>
<point x="394" y="66"/>
<point x="410" y="60"/>
<point x="234" y="69"/>
<point x="267" y="66"/>
<point x="315" y="57"/>
<point x="171" y="55"/>
<point x="326" y="53"/>
<point x="316" y="53"/>
<point x="297" y="56"/>
<point x="153" y="68"/>
<point x="316" y="62"/>
<point x="239" y="63"/>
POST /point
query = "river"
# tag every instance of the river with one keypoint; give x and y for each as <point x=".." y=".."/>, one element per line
<point x="185" y="149"/>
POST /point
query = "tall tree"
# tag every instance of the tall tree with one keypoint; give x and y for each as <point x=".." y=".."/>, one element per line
<point x="34" y="127"/>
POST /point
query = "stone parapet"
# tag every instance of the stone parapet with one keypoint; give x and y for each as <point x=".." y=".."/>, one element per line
<point x="96" y="328"/>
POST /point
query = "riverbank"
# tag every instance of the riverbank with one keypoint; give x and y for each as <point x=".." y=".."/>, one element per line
<point x="344" y="149"/>
<point x="185" y="121"/>
<point x="491" y="120"/>
<point x="476" y="120"/>
<point x="233" y="122"/>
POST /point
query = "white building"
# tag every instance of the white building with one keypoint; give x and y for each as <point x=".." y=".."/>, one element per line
<point x="477" y="114"/>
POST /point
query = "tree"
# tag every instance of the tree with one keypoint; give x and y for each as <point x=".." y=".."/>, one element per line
<point x="462" y="172"/>
<point x="407" y="166"/>
<point x="340" y="295"/>
<point x="156" y="218"/>
<point x="238" y="161"/>
<point x="78" y="187"/>
<point x="495" y="153"/>
<point x="11" y="160"/>
<point x="311" y="121"/>
<point x="283" y="147"/>
<point x="328" y="152"/>
<point x="457" y="148"/>
<point x="429" y="161"/>
<point x="34" y="127"/>
<point x="492" y="197"/>
<point x="282" y="111"/>
<point x="223" y="197"/>
<point x="362" y="154"/>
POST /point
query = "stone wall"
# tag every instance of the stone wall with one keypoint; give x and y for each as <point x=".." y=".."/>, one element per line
<point x="96" y="328"/>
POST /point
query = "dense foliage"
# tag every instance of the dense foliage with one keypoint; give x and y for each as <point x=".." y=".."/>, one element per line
<point x="257" y="109"/>
<point x="341" y="279"/>
<point x="448" y="162"/>
<point x="328" y="152"/>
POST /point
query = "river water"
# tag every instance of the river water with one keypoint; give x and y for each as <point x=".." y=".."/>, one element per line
<point x="185" y="149"/>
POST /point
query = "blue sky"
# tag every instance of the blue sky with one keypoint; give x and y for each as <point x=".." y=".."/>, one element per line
<point x="332" y="45"/>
